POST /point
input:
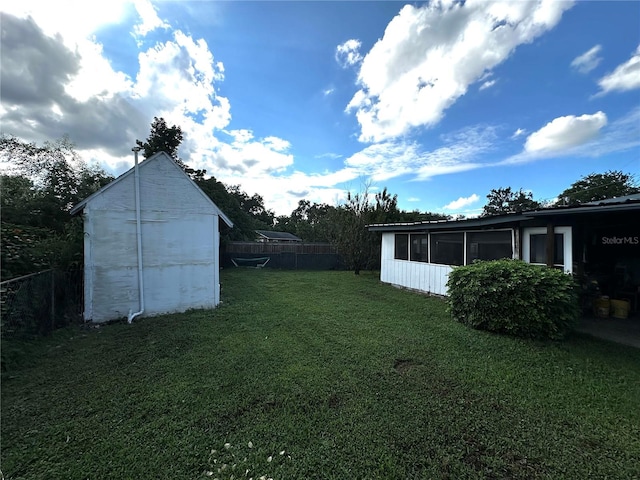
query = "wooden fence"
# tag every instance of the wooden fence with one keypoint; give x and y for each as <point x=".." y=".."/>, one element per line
<point x="284" y="255"/>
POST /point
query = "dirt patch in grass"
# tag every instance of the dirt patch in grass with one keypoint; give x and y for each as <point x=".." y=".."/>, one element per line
<point x="403" y="365"/>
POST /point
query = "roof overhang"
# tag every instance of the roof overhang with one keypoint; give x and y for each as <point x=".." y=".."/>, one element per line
<point x="512" y="219"/>
<point x="582" y="209"/>
<point x="483" y="222"/>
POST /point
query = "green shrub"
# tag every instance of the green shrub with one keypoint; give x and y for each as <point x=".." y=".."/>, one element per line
<point x="514" y="297"/>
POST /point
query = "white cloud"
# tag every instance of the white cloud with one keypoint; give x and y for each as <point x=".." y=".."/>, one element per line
<point x="487" y="84"/>
<point x="245" y="155"/>
<point x="518" y="133"/>
<point x="177" y="79"/>
<point x="413" y="199"/>
<point x="96" y="77"/>
<point x="564" y="133"/>
<point x="587" y="136"/>
<point x="461" y="202"/>
<point x="149" y="18"/>
<point x="430" y="55"/>
<point x="587" y="61"/>
<point x="277" y="144"/>
<point x="328" y="91"/>
<point x="348" y="54"/>
<point x="74" y="21"/>
<point x="330" y="155"/>
<point x="620" y="135"/>
<point x="460" y="152"/>
<point x="386" y="160"/>
<point x="625" y="77"/>
<point x="242" y="135"/>
<point x="282" y="192"/>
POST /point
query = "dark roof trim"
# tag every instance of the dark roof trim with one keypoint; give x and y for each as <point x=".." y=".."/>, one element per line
<point x="626" y="198"/>
<point x="620" y="204"/>
<point x="586" y="208"/>
<point x="500" y="220"/>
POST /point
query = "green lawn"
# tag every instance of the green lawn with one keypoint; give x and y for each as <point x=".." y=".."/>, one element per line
<point x="322" y="375"/>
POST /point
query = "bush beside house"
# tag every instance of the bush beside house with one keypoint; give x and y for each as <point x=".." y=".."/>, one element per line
<point x="514" y="297"/>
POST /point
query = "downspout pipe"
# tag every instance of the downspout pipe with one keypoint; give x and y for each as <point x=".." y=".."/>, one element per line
<point x="131" y="315"/>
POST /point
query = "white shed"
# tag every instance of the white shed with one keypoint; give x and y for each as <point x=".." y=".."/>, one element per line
<point x="162" y="257"/>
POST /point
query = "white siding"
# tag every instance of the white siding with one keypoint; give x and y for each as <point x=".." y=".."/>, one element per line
<point x="425" y="277"/>
<point x="180" y="245"/>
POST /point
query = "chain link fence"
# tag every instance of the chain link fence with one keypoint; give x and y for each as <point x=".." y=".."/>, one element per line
<point x="36" y="304"/>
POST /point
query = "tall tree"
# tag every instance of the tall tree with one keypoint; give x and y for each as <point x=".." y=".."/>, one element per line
<point x="253" y="205"/>
<point x="309" y="221"/>
<point x="359" y="247"/>
<point x="504" y="200"/>
<point x="350" y="235"/>
<point x="165" y="138"/>
<point x="44" y="182"/>
<point x="247" y="212"/>
<point x="58" y="178"/>
<point x="599" y="186"/>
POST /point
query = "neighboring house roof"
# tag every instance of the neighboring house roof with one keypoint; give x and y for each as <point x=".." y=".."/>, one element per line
<point x="270" y="235"/>
<point x="144" y="164"/>
<point x="618" y="204"/>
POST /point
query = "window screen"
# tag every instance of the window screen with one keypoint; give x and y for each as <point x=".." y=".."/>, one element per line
<point x="538" y="247"/>
<point x="402" y="246"/>
<point x="419" y="247"/>
<point x="488" y="246"/>
<point x="447" y="248"/>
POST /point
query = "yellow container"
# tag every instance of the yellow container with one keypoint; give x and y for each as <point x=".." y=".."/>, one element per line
<point x="601" y="307"/>
<point x="620" y="308"/>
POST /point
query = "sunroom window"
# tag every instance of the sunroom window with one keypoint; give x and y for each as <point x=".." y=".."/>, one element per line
<point x="489" y="245"/>
<point x="419" y="247"/>
<point x="447" y="248"/>
<point x="401" y="246"/>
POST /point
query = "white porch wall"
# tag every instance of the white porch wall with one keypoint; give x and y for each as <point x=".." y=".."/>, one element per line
<point x="426" y="277"/>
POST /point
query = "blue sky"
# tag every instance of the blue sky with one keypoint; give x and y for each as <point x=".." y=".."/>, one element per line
<point x="440" y="102"/>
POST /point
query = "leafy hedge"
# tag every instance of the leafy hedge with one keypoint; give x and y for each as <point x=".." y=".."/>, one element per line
<point x="514" y="297"/>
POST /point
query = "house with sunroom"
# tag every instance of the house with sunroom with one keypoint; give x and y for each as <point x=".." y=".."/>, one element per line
<point x="597" y="242"/>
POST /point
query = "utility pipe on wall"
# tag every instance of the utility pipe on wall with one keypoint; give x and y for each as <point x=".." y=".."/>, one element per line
<point x="131" y="315"/>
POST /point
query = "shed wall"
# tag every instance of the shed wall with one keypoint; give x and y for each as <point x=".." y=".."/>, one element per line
<point x="180" y="245"/>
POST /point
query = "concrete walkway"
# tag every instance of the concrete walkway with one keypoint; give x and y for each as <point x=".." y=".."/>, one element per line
<point x="624" y="331"/>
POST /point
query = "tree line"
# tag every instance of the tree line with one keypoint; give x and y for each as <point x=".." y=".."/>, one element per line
<point x="590" y="188"/>
<point x="46" y="181"/>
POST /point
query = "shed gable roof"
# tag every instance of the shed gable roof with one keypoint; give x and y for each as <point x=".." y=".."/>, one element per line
<point x="157" y="157"/>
